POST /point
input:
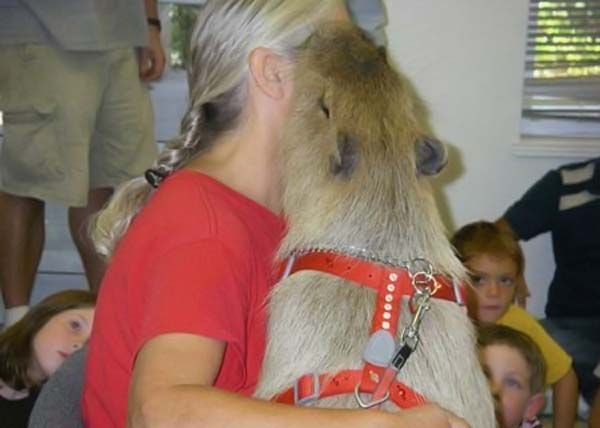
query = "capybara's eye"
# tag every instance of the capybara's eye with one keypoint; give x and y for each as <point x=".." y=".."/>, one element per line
<point x="324" y="108"/>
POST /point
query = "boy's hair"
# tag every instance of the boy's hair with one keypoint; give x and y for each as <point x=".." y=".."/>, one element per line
<point x="483" y="237"/>
<point x="16" y="342"/>
<point x="497" y="334"/>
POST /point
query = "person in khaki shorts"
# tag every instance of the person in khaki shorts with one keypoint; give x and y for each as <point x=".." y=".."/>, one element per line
<point x="77" y="121"/>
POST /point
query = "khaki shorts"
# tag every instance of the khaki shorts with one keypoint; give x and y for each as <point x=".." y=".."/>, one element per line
<point x="73" y="121"/>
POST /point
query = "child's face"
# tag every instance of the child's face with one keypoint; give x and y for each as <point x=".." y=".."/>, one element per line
<point x="509" y="377"/>
<point x="494" y="280"/>
<point x="62" y="335"/>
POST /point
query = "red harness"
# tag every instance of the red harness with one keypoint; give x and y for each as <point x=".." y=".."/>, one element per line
<point x="378" y="379"/>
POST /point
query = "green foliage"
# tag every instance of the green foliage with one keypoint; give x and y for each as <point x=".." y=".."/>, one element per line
<point x="565" y="42"/>
<point x="183" y="18"/>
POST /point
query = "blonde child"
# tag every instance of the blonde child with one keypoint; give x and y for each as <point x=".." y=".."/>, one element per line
<point x="496" y="263"/>
<point x="516" y="370"/>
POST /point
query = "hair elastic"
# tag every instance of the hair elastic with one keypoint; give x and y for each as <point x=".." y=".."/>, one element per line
<point x="154" y="177"/>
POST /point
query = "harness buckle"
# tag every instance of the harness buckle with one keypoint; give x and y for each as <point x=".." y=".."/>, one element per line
<point x="369" y="404"/>
<point x="403" y="353"/>
<point x="311" y="398"/>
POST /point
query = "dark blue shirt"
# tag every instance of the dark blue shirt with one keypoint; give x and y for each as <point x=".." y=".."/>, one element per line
<point x="566" y="202"/>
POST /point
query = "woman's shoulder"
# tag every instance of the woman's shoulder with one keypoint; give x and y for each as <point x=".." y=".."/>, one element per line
<point x="190" y="207"/>
<point x="192" y="199"/>
<point x="187" y="191"/>
<point x="186" y="199"/>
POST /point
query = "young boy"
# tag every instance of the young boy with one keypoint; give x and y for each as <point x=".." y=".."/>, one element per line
<point x="496" y="263"/>
<point x="515" y="368"/>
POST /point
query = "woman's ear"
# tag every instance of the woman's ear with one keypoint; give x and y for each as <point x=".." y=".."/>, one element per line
<point x="270" y="72"/>
<point x="534" y="405"/>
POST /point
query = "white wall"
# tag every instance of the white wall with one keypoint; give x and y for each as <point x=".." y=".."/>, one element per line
<point x="466" y="57"/>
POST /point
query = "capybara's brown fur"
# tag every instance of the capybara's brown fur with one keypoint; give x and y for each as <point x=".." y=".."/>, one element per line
<point x="354" y="165"/>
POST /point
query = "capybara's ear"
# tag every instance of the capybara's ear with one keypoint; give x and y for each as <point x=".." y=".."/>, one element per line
<point x="343" y="163"/>
<point x="431" y="156"/>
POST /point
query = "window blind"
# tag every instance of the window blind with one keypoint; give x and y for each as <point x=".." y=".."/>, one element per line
<point x="562" y="69"/>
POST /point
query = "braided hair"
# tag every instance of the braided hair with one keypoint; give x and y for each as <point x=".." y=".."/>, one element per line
<point x="225" y="34"/>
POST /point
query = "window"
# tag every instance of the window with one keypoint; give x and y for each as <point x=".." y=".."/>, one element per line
<point x="562" y="73"/>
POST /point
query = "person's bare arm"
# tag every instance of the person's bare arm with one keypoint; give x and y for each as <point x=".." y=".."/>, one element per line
<point x="171" y="386"/>
<point x="152" y="57"/>
<point x="565" y="396"/>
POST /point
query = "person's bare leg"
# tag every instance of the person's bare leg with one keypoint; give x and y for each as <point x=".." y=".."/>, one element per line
<point x="21" y="245"/>
<point x="79" y="217"/>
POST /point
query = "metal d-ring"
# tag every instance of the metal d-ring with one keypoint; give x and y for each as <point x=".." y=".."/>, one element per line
<point x="371" y="404"/>
<point x="424" y="283"/>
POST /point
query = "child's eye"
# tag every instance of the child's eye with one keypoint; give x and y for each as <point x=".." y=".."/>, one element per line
<point x="513" y="383"/>
<point x="507" y="281"/>
<point x="75" y="325"/>
<point x="477" y="280"/>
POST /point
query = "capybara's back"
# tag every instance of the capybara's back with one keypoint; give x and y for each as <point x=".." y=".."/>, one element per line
<point x="355" y="167"/>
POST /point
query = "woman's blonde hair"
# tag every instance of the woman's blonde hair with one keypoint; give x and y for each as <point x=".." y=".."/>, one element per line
<point x="226" y="32"/>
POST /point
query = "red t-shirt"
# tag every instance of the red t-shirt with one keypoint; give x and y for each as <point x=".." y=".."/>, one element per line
<point x="198" y="259"/>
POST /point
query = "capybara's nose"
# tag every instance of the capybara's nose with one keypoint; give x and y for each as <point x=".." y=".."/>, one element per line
<point x="431" y="156"/>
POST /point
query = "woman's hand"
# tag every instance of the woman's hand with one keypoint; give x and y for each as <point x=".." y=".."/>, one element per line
<point x="428" y="415"/>
<point x="176" y="391"/>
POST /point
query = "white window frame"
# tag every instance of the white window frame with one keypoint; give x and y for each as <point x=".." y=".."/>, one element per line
<point x="539" y="139"/>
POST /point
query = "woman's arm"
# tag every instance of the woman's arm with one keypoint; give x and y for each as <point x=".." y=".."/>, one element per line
<point x="152" y="58"/>
<point x="565" y="396"/>
<point x="171" y="386"/>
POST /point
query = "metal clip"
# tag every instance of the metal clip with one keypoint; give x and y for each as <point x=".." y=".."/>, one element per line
<point x="410" y="334"/>
<point x="403" y="353"/>
<point x="409" y="339"/>
<point x="370" y="404"/>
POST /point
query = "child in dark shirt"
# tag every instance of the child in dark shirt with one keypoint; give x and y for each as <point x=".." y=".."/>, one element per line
<point x="36" y="346"/>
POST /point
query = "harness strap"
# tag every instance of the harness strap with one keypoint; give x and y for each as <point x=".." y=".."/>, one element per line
<point x="378" y="375"/>
<point x="310" y="388"/>
<point x="369" y="274"/>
